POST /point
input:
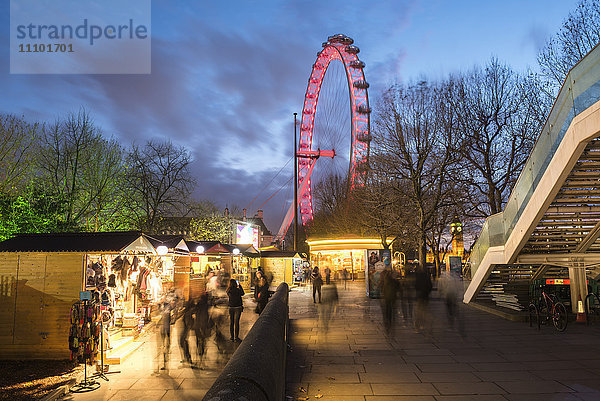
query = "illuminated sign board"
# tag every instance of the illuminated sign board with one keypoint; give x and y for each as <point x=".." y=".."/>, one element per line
<point x="247" y="234"/>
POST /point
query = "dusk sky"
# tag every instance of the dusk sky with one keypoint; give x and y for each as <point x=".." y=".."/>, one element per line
<point x="227" y="76"/>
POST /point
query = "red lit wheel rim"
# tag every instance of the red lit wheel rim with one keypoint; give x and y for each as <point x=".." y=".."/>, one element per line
<point x="338" y="53"/>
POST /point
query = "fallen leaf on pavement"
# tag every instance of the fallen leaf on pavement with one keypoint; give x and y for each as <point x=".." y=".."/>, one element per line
<point x="302" y="389"/>
<point x="318" y="395"/>
<point x="331" y="378"/>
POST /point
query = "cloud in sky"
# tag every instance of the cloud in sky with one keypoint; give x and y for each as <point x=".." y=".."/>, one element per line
<point x="226" y="77"/>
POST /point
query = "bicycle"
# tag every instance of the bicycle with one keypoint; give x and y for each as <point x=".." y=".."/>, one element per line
<point x="592" y="308"/>
<point x="548" y="308"/>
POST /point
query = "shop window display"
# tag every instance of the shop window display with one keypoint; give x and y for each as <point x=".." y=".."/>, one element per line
<point x="126" y="287"/>
<point x="241" y="267"/>
<point x="350" y="261"/>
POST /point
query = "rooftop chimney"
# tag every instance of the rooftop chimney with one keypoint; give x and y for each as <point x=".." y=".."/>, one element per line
<point x="259" y="214"/>
<point x="244" y="218"/>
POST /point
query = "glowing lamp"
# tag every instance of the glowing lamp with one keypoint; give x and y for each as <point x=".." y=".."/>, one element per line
<point x="162" y="250"/>
<point x="236" y="251"/>
<point x="200" y="249"/>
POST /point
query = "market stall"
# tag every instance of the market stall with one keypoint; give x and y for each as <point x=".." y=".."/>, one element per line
<point x="349" y="257"/>
<point x="279" y="266"/>
<point x="43" y="275"/>
<point x="244" y="263"/>
<point x="173" y="257"/>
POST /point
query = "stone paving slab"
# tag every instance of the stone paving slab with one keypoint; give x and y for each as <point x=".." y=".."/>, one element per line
<point x="468" y="388"/>
<point x="315" y="368"/>
<point x="389" y="376"/>
<point x="331" y="377"/>
<point x="404" y="389"/>
<point x="506" y="376"/>
<point x="377" y="367"/>
<point x="460" y="377"/>
<point x="544" y="397"/>
<point x="399" y="398"/>
<point x="338" y="389"/>
<point x="177" y="395"/>
<point x="478" y="397"/>
<point x="445" y="367"/>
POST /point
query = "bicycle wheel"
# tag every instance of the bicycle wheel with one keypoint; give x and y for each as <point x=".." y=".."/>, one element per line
<point x="534" y="316"/>
<point x="560" y="317"/>
<point x="592" y="308"/>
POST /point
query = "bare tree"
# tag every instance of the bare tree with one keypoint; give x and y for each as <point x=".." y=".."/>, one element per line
<point x="378" y="212"/>
<point x="413" y="145"/>
<point x="17" y="139"/>
<point x="579" y="34"/>
<point x="84" y="169"/>
<point x="499" y="116"/>
<point x="106" y="189"/>
<point x="160" y="182"/>
<point x="335" y="208"/>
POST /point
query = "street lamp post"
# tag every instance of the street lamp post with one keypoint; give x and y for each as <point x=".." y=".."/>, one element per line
<point x="295" y="187"/>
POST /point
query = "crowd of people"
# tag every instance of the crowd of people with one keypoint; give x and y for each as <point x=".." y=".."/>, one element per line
<point x="411" y="292"/>
<point x="206" y="317"/>
<point x="222" y="301"/>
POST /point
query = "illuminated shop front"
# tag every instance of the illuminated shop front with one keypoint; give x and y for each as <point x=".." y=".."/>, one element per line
<point x="244" y="262"/>
<point x="206" y="256"/>
<point x="346" y="257"/>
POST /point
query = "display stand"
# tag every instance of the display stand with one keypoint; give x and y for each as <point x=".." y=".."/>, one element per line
<point x="88" y="384"/>
<point x="102" y="374"/>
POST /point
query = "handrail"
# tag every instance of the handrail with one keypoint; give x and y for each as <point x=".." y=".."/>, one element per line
<point x="580" y="90"/>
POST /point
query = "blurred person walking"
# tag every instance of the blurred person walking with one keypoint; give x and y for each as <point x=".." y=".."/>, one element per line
<point x="202" y="325"/>
<point x="261" y="295"/>
<point x="186" y="327"/>
<point x="317" y="282"/>
<point x="406" y="290"/>
<point x="236" y="306"/>
<point x="327" y="272"/>
<point x="423" y="287"/>
<point x="328" y="307"/>
<point x="450" y="288"/>
<point x="388" y="286"/>
<point x="163" y="343"/>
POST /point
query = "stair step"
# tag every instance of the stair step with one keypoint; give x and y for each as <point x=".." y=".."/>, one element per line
<point x="118" y="355"/>
<point x="119" y="343"/>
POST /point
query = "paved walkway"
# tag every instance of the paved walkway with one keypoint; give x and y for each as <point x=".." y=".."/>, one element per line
<point x="496" y="359"/>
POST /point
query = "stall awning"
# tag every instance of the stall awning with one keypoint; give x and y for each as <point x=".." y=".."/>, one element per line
<point x="173" y="242"/>
<point x="245" y="249"/>
<point x="206" y="245"/>
<point x="280" y="254"/>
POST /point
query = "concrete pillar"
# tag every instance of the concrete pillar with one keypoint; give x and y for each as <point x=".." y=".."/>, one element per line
<point x="578" y="286"/>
